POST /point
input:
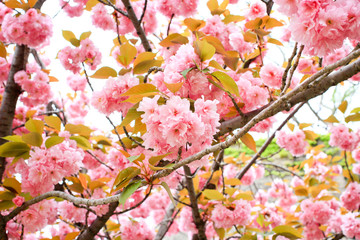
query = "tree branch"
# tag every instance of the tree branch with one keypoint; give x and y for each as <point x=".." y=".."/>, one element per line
<point x="200" y="224"/>
<point x="139" y="30"/>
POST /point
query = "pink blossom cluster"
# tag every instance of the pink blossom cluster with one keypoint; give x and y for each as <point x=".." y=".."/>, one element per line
<point x="283" y="193"/>
<point x="314" y="214"/>
<point x="37" y="89"/>
<point x="134" y="230"/>
<point x="76" y="82"/>
<point x="109" y="99"/>
<point x="223" y="217"/>
<point x="342" y="137"/>
<point x="32" y="28"/>
<point x="183" y="8"/>
<point x="257" y="9"/>
<point x="46" y="167"/>
<point x="78" y="108"/>
<point x="101" y="18"/>
<point x="350" y="198"/>
<point x="174" y="125"/>
<point x="254" y="173"/>
<point x="87" y="53"/>
<point x="351" y="225"/>
<point x="264" y="125"/>
<point x="38" y="215"/>
<point x="319" y="25"/>
<point x="75" y="9"/>
<point x="295" y="142"/>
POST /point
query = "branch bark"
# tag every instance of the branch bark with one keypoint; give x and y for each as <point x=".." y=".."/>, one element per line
<point x="99" y="223"/>
<point x="200" y="224"/>
<point x="139" y="30"/>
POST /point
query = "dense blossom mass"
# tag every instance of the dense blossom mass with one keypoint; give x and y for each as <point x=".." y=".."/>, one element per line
<point x="188" y="89"/>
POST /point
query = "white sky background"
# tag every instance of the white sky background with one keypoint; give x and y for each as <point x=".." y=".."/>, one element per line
<point x="104" y="41"/>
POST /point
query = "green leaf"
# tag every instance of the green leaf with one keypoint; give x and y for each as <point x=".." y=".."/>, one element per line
<point x="4" y="205"/>
<point x="14" y="138"/>
<point x="136" y="158"/>
<point x="128" y="191"/>
<point x="204" y="50"/>
<point x="127" y="54"/>
<point x="6" y="195"/>
<point x="355" y="110"/>
<point x="54" y="140"/>
<point x="213" y="194"/>
<point x="185" y="72"/>
<point x="353" y="118"/>
<point x="35" y="126"/>
<point x="85" y="35"/>
<point x="53" y="121"/>
<point x="167" y="189"/>
<point x="144" y="66"/>
<point x="173" y="39"/>
<point x="104" y="73"/>
<point x="78" y="129"/>
<point x="70" y="36"/>
<point x="82" y="142"/>
<point x="12" y="185"/>
<point x="131" y="115"/>
<point x="233" y="18"/>
<point x="287" y="231"/>
<point x="140" y="89"/>
<point x="13" y="149"/>
<point x="123" y="175"/>
<point x="33" y="138"/>
<point x="154" y="160"/>
<point x="228" y="83"/>
<point x="194" y="24"/>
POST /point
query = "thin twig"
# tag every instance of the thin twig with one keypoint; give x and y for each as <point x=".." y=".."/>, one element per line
<point x="143" y="13"/>
<point x="293" y="68"/>
<point x="289" y="63"/>
<point x="117" y="134"/>
<point x="266" y="144"/>
<point x="280" y="167"/>
<point x="97" y="159"/>
<point x="152" y="69"/>
<point x="106" y="2"/>
<point x="168" y="28"/>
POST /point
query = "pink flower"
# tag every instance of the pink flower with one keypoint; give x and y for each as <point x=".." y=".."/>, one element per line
<point x="350" y="198"/>
<point x="293" y="142"/>
<point x="18" y="200"/>
<point x="257" y="10"/>
<point x="271" y="75"/>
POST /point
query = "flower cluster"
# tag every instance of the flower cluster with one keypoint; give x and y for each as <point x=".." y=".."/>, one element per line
<point x="319" y="25"/>
<point x="46" y="167"/>
<point x="109" y="99"/>
<point x="293" y="142"/>
<point x="223" y="217"/>
<point x="37" y="89"/>
<point x="174" y="125"/>
<point x="341" y="137"/>
<point x="32" y="29"/>
<point x="87" y="53"/>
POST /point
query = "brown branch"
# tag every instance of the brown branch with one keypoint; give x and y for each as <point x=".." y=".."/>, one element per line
<point x="97" y="159"/>
<point x="144" y="11"/>
<point x="152" y="69"/>
<point x="107" y="3"/>
<point x="98" y="224"/>
<point x="293" y="68"/>
<point x="280" y="167"/>
<point x="139" y="30"/>
<point x="200" y="224"/>
<point x="266" y="144"/>
<point x="37" y="58"/>
<point x="284" y="76"/>
<point x="168" y="28"/>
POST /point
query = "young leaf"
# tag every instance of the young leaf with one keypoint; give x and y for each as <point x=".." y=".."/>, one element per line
<point x="173" y="39"/>
<point x="249" y="141"/>
<point x="194" y="24"/>
<point x="104" y="73"/>
<point x="228" y="83"/>
<point x="13" y="149"/>
<point x="33" y="138"/>
<point x="204" y="50"/>
<point x="53" y="121"/>
<point x="12" y="185"/>
<point x="35" y="125"/>
<point x="213" y="194"/>
<point x="343" y="106"/>
<point x="82" y="142"/>
<point x="128" y="191"/>
<point x="127" y="54"/>
<point x="54" y="140"/>
<point x="167" y="189"/>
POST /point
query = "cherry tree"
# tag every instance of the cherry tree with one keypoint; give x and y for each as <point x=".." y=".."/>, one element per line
<point x="183" y="88"/>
